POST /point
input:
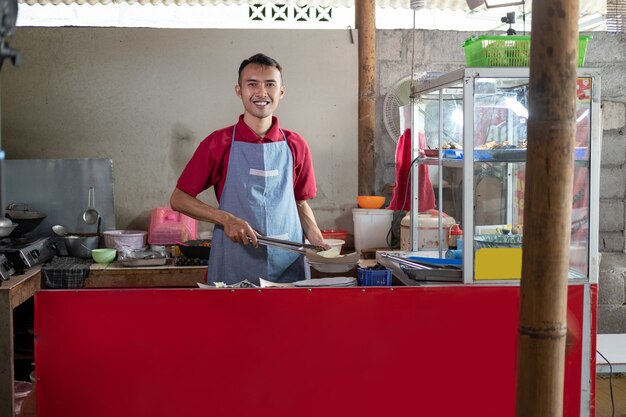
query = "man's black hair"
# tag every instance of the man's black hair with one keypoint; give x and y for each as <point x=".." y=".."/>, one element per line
<point x="260" y="59"/>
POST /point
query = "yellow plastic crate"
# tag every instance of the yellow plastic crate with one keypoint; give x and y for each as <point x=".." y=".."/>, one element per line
<point x="507" y="51"/>
<point x="498" y="264"/>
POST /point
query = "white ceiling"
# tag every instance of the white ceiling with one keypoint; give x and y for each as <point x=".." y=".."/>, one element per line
<point x="391" y="14"/>
<point x="586" y="6"/>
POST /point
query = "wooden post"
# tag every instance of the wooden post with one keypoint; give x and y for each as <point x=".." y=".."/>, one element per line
<point x="548" y="203"/>
<point x="366" y="25"/>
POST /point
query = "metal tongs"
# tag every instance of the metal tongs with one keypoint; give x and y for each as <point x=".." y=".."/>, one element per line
<point x="339" y="264"/>
<point x="288" y="245"/>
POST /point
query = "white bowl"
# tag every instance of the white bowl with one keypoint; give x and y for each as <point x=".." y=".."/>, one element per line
<point x="335" y="243"/>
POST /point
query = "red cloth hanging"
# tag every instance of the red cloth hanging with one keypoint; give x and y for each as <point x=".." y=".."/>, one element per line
<point x="426" y="193"/>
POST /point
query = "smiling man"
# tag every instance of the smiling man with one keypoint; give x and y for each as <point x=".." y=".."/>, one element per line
<point x="262" y="176"/>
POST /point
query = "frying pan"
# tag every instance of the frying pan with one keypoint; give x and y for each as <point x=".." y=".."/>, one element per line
<point x="196" y="249"/>
<point x="26" y="220"/>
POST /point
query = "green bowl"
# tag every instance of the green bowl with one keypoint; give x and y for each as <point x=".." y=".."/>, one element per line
<point x="103" y="256"/>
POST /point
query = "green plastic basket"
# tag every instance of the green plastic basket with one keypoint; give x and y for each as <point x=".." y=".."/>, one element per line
<point x="507" y="51"/>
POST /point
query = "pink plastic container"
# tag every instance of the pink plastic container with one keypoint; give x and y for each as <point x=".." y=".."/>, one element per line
<point x="167" y="227"/>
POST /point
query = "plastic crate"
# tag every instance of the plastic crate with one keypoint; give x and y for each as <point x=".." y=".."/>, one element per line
<point x="507" y="51"/>
<point x="374" y="277"/>
<point x="168" y="227"/>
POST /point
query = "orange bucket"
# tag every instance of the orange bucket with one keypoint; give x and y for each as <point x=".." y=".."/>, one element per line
<point x="335" y="234"/>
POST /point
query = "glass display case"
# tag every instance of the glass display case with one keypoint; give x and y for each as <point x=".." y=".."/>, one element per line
<point x="469" y="129"/>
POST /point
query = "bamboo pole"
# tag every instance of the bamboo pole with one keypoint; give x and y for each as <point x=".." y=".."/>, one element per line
<point x="366" y="24"/>
<point x="548" y="201"/>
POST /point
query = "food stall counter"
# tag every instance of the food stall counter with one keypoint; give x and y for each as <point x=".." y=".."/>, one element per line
<point x="292" y="351"/>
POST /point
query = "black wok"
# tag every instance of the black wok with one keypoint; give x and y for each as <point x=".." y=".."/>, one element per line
<point x="26" y="220"/>
<point x="196" y="249"/>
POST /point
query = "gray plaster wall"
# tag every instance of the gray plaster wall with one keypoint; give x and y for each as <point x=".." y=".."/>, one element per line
<point x="147" y="97"/>
<point x="441" y="51"/>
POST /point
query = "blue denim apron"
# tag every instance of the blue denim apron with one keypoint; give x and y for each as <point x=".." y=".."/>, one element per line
<point x="258" y="189"/>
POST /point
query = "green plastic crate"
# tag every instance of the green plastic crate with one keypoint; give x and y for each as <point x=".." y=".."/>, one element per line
<point x="507" y="51"/>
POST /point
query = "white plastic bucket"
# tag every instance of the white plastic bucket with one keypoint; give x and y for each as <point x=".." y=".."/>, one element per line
<point x="371" y="227"/>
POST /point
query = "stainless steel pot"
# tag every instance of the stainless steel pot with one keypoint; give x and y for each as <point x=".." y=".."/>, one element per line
<point x="80" y="246"/>
<point x="26" y="220"/>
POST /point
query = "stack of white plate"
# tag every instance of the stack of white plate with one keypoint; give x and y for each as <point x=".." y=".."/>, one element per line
<point x="327" y="282"/>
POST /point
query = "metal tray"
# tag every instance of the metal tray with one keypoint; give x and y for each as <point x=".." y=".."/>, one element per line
<point x="433" y="274"/>
<point x="142" y="258"/>
<point x="504" y="154"/>
<point x="437" y="262"/>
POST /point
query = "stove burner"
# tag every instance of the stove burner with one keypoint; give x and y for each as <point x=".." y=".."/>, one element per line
<point x="6" y="268"/>
<point x="27" y="251"/>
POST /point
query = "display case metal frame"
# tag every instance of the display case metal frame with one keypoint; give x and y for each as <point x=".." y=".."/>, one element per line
<point x="466" y="77"/>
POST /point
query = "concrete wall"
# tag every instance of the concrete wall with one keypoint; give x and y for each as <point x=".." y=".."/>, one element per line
<point x="147" y="97"/>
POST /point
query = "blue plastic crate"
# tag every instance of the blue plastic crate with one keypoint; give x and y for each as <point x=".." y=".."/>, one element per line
<point x="374" y="277"/>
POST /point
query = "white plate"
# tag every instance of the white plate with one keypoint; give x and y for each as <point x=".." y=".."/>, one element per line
<point x="327" y="282"/>
<point x="332" y="268"/>
<point x="269" y="284"/>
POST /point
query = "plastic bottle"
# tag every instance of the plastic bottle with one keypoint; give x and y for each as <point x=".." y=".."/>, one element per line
<point x="455" y="232"/>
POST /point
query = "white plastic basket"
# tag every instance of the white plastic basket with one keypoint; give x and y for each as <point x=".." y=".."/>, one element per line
<point x="125" y="239"/>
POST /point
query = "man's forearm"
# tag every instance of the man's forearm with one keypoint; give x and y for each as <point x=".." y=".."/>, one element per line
<point x="309" y="225"/>
<point x="193" y="207"/>
<point x="237" y="229"/>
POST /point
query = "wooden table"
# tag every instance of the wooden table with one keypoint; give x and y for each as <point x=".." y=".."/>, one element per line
<point x="114" y="275"/>
<point x="13" y="292"/>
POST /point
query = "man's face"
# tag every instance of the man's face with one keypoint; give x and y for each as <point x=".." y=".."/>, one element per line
<point x="260" y="89"/>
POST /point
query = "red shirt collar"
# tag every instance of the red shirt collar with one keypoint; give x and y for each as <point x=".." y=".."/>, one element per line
<point x="246" y="134"/>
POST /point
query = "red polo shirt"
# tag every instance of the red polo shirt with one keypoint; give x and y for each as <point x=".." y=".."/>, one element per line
<point x="209" y="164"/>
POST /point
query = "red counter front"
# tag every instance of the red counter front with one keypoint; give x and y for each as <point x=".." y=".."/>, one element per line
<point x="431" y="351"/>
